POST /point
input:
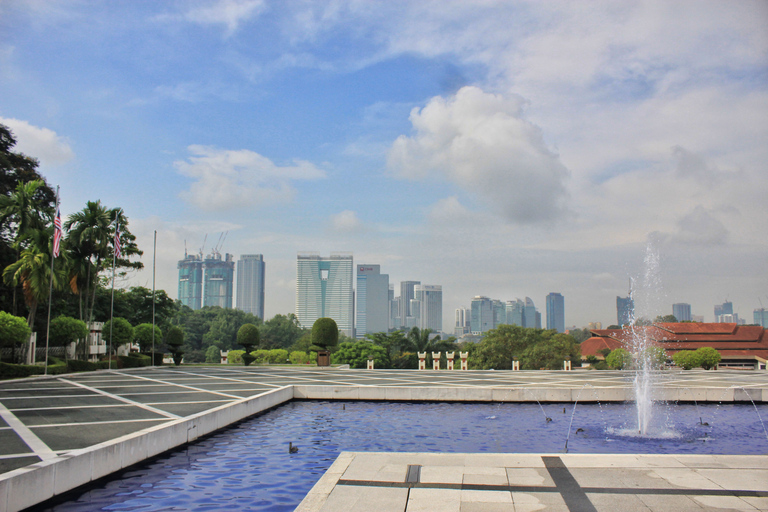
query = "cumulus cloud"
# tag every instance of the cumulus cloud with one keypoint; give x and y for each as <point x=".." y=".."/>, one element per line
<point x="699" y="226"/>
<point x="482" y="143"/>
<point x="41" y="143"/>
<point x="347" y="222"/>
<point x="226" y="179"/>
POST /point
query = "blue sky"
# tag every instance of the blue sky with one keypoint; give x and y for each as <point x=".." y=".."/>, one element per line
<point x="506" y="149"/>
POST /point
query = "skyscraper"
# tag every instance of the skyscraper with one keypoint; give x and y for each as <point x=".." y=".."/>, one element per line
<point x="532" y="317"/>
<point x="462" y="321"/>
<point x="682" y="312"/>
<point x="761" y="317"/>
<point x="250" y="284"/>
<point x="625" y="310"/>
<point x="372" y="312"/>
<point x="406" y="295"/>
<point x="218" y="283"/>
<point x="515" y="310"/>
<point x="726" y="308"/>
<point x="481" y="315"/>
<point x="324" y="289"/>
<point x="430" y="298"/>
<point x="556" y="312"/>
<point x="499" y="313"/>
<point x="191" y="281"/>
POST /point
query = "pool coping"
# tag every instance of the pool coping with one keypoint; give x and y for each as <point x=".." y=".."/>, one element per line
<point x="30" y="485"/>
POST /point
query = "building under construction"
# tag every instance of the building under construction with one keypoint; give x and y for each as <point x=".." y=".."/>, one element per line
<point x="219" y="280"/>
<point x="191" y="280"/>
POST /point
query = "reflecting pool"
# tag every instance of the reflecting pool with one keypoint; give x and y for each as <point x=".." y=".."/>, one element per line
<point x="248" y="466"/>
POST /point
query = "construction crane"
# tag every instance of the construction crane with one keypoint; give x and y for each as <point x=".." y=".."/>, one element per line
<point x="202" y="249"/>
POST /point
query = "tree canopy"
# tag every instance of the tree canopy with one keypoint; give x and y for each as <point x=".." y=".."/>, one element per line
<point x="325" y="333"/>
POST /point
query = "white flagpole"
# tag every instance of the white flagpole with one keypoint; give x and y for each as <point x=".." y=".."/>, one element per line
<point x="50" y="287"/>
<point x="154" y="260"/>
<point x="112" y="305"/>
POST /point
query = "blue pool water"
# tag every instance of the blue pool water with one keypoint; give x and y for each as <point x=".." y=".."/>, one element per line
<point x="247" y="467"/>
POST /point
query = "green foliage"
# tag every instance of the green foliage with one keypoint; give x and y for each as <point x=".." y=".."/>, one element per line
<point x="687" y="359"/>
<point x="73" y="365"/>
<point x="709" y="357"/>
<point x="235" y="356"/>
<point x="142" y="334"/>
<point x="355" y="354"/>
<point x="282" y="331"/>
<point x="325" y="333"/>
<point x="580" y="335"/>
<point x="655" y="356"/>
<point x="405" y="361"/>
<point x="134" y="360"/>
<point x="604" y="352"/>
<point x="619" y="359"/>
<point x="14" y="330"/>
<point x="534" y="348"/>
<point x="298" y="357"/>
<point x="15" y="371"/>
<point x="248" y="336"/>
<point x="277" y="356"/>
<point x="212" y="354"/>
<point x="175" y="339"/>
<point x="670" y="319"/>
<point x="119" y="330"/>
<point x="247" y="358"/>
<point x="65" y="330"/>
<point x="550" y="351"/>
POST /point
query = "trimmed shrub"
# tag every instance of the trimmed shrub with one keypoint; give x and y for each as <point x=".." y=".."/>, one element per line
<point x="298" y="357"/>
<point x="73" y="365"/>
<point x="619" y="359"/>
<point x="235" y="356"/>
<point x="134" y="360"/>
<point x="15" y="371"/>
<point x="325" y="333"/>
<point x="277" y="356"/>
<point x="709" y="357"/>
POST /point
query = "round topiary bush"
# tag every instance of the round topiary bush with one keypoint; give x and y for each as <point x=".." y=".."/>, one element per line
<point x="325" y="333"/>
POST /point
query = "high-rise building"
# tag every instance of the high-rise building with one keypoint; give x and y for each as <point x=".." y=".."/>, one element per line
<point x="625" y="310"/>
<point x="761" y="317"/>
<point x="515" y="310"/>
<point x="191" y="281"/>
<point x="532" y="317"/>
<point x="372" y="295"/>
<point x="556" y="312"/>
<point x="394" y="309"/>
<point x="499" y="313"/>
<point x="726" y="308"/>
<point x="461" y="326"/>
<point x="481" y="316"/>
<point x="218" y="282"/>
<point x="682" y="312"/>
<point x="406" y="295"/>
<point x="430" y="298"/>
<point x="250" y="284"/>
<point x="324" y="289"/>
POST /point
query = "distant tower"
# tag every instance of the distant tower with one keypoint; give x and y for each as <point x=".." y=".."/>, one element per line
<point x="372" y="296"/>
<point x="324" y="288"/>
<point x="515" y="311"/>
<point x="499" y="313"/>
<point x="250" y="284"/>
<point x="625" y="310"/>
<point x="219" y="280"/>
<point x="481" y="316"/>
<point x="191" y="281"/>
<point x="462" y="322"/>
<point x="532" y="317"/>
<point x="682" y="312"/>
<point x="726" y="308"/>
<point x="430" y="299"/>
<point x="556" y="312"/>
<point x="406" y="296"/>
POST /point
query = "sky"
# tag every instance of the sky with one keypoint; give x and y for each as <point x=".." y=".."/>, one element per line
<point x="497" y="148"/>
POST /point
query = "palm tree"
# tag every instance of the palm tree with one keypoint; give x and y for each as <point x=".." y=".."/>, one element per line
<point x="419" y="340"/>
<point x="24" y="209"/>
<point x="32" y="271"/>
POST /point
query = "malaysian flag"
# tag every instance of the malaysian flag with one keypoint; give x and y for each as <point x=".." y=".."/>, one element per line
<point x="57" y="233"/>
<point x="117" y="240"/>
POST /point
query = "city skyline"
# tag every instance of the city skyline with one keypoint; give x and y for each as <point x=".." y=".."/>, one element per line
<point x="498" y="149"/>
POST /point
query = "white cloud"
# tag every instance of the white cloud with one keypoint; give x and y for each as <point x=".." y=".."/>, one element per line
<point x="347" y="222"/>
<point x="228" y="179"/>
<point x="230" y="13"/>
<point x="481" y="143"/>
<point x="41" y="143"/>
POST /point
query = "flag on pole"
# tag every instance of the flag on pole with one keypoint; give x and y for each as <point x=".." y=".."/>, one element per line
<point x="117" y="240"/>
<point x="57" y="233"/>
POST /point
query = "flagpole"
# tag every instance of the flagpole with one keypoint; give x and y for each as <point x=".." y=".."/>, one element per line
<point x="115" y="243"/>
<point x="154" y="260"/>
<point x="50" y="286"/>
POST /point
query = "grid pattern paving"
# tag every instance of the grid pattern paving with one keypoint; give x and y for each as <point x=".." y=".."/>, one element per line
<point x="45" y="417"/>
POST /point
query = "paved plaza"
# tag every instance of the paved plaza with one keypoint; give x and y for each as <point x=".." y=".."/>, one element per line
<point x="44" y="421"/>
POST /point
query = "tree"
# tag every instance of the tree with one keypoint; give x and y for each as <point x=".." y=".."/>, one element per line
<point x="119" y="331"/>
<point x="580" y="335"/>
<point x="65" y="330"/>
<point x="655" y="356"/>
<point x="175" y="339"/>
<point x="142" y="334"/>
<point x="325" y="333"/>
<point x="281" y="331"/>
<point x="502" y="345"/>
<point x="394" y="342"/>
<point x="687" y="359"/>
<point x="356" y="354"/>
<point x="550" y="351"/>
<point x="709" y="357"/>
<point x="619" y="358"/>
<point x="33" y="270"/>
<point x="248" y="337"/>
<point x="418" y="340"/>
<point x="13" y="330"/>
<point x="670" y="319"/>
<point x="212" y="354"/>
